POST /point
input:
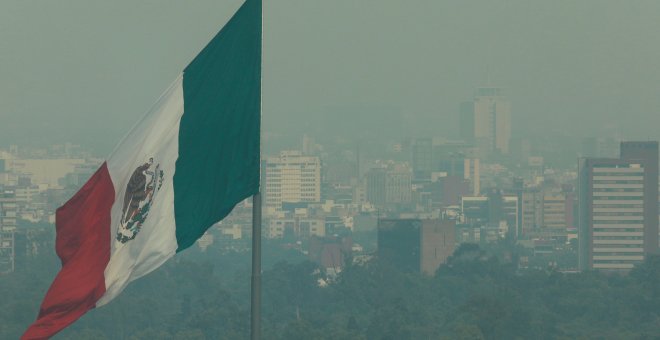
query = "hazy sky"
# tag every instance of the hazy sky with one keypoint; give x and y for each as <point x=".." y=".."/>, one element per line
<point x="84" y="71"/>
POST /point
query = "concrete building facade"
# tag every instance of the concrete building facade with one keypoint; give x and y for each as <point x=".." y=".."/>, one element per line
<point x="291" y="178"/>
<point x="545" y="214"/>
<point x="618" y="208"/>
<point x="391" y="185"/>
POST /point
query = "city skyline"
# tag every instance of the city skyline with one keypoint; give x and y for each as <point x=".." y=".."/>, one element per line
<point x="375" y="169"/>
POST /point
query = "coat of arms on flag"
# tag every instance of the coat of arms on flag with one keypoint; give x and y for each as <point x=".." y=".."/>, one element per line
<point x="142" y="188"/>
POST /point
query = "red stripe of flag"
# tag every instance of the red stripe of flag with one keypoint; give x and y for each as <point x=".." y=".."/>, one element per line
<point x="83" y="244"/>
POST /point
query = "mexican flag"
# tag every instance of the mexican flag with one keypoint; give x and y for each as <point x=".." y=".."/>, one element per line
<point x="182" y="168"/>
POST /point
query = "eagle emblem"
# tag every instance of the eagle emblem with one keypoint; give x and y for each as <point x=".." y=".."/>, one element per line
<point x="144" y="184"/>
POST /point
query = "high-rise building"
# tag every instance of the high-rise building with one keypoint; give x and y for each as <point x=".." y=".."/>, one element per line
<point x="471" y="173"/>
<point x="618" y="203"/>
<point x="415" y="245"/>
<point x="391" y="185"/>
<point x="486" y="121"/>
<point x="647" y="151"/>
<point x="422" y="158"/>
<point x="376" y="179"/>
<point x="291" y="177"/>
<point x="398" y="184"/>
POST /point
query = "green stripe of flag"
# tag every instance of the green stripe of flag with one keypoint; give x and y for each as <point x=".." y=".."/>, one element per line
<point x="219" y="137"/>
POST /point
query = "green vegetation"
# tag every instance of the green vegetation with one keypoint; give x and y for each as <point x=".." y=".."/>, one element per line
<point x="477" y="295"/>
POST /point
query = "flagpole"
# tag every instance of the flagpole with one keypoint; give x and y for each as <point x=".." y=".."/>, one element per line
<point x="255" y="333"/>
<point x="255" y="293"/>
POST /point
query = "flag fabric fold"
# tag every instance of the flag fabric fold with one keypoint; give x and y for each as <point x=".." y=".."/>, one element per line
<point x="182" y="168"/>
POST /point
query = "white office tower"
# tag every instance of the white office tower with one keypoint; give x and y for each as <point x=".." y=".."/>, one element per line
<point x="291" y="178"/>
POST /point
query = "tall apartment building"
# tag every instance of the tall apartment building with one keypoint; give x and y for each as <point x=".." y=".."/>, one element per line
<point x="416" y="245"/>
<point x="486" y="121"/>
<point x="291" y="177"/>
<point x="618" y="203"/>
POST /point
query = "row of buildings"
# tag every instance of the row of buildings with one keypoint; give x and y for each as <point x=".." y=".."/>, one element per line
<point x="610" y="204"/>
<point x="608" y="208"/>
<point x="33" y="183"/>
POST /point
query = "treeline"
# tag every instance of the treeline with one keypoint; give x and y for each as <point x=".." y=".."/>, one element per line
<point x="477" y="295"/>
